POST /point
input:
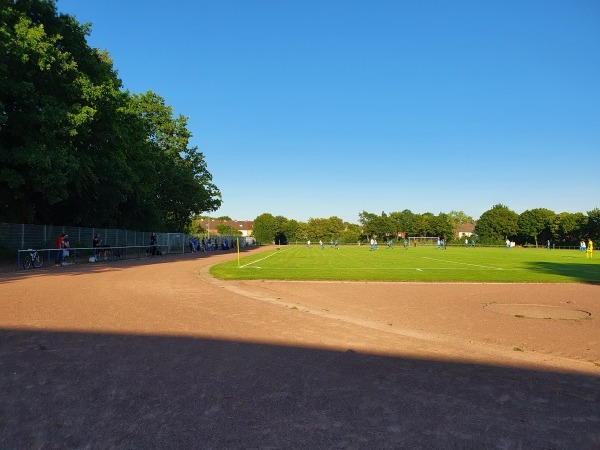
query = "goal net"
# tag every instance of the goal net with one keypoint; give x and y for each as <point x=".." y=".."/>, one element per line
<point x="415" y="241"/>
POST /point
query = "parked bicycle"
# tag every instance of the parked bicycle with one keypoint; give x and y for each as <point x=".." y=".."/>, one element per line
<point x="32" y="258"/>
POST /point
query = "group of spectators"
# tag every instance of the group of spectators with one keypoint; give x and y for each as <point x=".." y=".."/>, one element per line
<point x="196" y="245"/>
<point x="205" y="245"/>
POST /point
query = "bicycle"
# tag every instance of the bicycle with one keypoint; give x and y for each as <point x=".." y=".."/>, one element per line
<point x="33" y="258"/>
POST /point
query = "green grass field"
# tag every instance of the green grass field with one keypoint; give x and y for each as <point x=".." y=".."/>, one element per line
<point x="415" y="264"/>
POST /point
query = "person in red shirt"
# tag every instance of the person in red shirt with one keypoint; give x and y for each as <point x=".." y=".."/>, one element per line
<point x="59" y="249"/>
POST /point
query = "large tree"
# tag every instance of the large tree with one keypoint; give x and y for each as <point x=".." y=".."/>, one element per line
<point x="351" y="233"/>
<point x="75" y="149"/>
<point x="568" y="228"/>
<point x="497" y="224"/>
<point x="265" y="228"/>
<point x="184" y="185"/>
<point x="443" y="226"/>
<point x="535" y="224"/>
<point x="592" y="227"/>
<point x="422" y="225"/>
<point x="325" y="229"/>
<point x="379" y="226"/>
<point x="402" y="222"/>
<point x="47" y="76"/>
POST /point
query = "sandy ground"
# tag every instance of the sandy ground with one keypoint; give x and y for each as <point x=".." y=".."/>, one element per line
<point x="157" y="354"/>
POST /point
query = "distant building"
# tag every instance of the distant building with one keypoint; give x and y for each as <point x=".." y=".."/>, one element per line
<point x="465" y="230"/>
<point x="244" y="226"/>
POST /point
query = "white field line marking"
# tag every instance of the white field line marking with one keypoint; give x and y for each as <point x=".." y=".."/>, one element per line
<point x="466" y="264"/>
<point x="258" y="260"/>
<point x="421" y="269"/>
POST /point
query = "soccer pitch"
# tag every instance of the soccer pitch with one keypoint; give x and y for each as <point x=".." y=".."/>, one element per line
<point x="427" y="264"/>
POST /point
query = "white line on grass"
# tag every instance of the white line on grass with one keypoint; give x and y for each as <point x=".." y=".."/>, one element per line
<point x="462" y="263"/>
<point x="254" y="262"/>
<point x="381" y="269"/>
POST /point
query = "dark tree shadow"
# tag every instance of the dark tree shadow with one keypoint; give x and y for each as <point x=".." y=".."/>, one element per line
<point x="100" y="391"/>
<point x="581" y="271"/>
<point x="11" y="272"/>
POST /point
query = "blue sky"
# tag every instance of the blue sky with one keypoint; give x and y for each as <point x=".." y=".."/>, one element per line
<point x="329" y="108"/>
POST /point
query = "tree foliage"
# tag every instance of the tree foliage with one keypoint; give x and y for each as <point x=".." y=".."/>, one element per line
<point x="443" y="226"/>
<point x="378" y="226"/>
<point x="402" y="222"/>
<point x="265" y="228"/>
<point x="497" y="224"/>
<point x="567" y="227"/>
<point x="324" y="229"/>
<point x="75" y="148"/>
<point x="227" y="230"/>
<point x="592" y="228"/>
<point x="493" y="227"/>
<point x="535" y="224"/>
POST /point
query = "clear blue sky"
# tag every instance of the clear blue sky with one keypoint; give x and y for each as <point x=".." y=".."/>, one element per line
<point x="328" y="108"/>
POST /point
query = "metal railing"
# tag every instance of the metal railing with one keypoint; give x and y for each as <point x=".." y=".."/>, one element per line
<point x="117" y="244"/>
<point x="79" y="255"/>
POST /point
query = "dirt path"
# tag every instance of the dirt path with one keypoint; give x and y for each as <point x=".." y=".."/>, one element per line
<point x="163" y="356"/>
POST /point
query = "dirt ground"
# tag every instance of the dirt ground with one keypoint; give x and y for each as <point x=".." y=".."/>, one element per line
<point x="158" y="354"/>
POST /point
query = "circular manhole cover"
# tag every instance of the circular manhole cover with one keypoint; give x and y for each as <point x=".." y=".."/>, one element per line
<point x="538" y="311"/>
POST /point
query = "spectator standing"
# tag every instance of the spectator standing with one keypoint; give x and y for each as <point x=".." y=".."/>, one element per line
<point x="153" y="243"/>
<point x="95" y="244"/>
<point x="65" y="249"/>
<point x="58" y="244"/>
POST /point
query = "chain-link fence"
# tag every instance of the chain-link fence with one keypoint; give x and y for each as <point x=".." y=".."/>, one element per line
<point x="22" y="236"/>
<point x="16" y="239"/>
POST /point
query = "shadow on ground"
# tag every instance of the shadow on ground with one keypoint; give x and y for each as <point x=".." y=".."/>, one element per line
<point x="98" y="391"/>
<point x="584" y="272"/>
<point x="9" y="271"/>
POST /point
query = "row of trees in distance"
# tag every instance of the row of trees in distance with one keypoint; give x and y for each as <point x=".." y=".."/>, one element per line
<point x="531" y="227"/>
<point x="78" y="149"/>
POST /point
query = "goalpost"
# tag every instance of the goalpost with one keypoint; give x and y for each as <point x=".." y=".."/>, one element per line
<point x="415" y="241"/>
